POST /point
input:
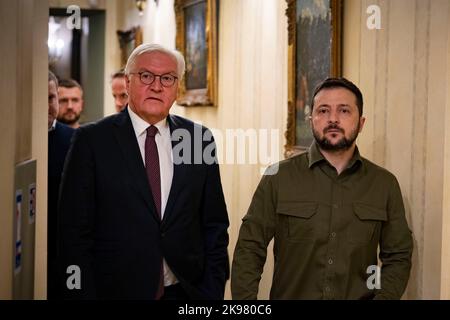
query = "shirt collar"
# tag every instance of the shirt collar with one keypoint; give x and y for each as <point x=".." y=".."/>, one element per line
<point x="355" y="159"/>
<point x="315" y="156"/>
<point x="53" y="127"/>
<point x="140" y="125"/>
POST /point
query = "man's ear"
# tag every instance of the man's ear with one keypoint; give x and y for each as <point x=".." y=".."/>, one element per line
<point x="362" y="120"/>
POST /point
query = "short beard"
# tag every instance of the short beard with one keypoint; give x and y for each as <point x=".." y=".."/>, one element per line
<point x="342" y="145"/>
<point x="70" y="122"/>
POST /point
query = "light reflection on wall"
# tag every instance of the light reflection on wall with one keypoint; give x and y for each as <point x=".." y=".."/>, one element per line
<point x="59" y="47"/>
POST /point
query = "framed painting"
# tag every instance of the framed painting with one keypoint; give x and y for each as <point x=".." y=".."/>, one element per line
<point x="128" y="41"/>
<point x="314" y="53"/>
<point x="197" y="41"/>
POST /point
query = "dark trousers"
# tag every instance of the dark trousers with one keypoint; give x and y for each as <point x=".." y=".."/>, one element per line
<point x="54" y="290"/>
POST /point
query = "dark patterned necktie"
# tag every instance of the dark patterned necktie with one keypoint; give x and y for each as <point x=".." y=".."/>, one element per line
<point x="154" y="179"/>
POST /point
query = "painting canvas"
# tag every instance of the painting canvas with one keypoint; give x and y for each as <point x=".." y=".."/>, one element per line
<point x="128" y="41"/>
<point x="195" y="46"/>
<point x="313" y="59"/>
<point x="314" y="34"/>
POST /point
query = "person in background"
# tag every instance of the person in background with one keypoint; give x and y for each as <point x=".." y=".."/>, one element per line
<point x="59" y="136"/>
<point x="119" y="90"/>
<point x="328" y="211"/>
<point x="70" y="102"/>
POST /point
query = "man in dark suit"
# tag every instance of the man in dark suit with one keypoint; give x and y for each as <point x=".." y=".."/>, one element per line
<point x="59" y="136"/>
<point x="143" y="214"/>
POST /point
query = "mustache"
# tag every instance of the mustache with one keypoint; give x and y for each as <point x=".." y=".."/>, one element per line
<point x="333" y="127"/>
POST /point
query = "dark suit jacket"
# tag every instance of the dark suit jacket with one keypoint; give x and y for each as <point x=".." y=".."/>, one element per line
<point x="110" y="228"/>
<point x="58" y="145"/>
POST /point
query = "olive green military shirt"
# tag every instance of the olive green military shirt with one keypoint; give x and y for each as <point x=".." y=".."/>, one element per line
<point x="327" y="229"/>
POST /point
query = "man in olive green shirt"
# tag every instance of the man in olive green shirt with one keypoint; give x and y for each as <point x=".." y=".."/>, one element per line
<point x="328" y="210"/>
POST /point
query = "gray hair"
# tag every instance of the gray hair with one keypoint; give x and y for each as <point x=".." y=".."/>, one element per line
<point x="152" y="47"/>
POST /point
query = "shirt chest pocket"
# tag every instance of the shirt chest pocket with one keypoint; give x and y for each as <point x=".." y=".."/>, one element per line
<point x="297" y="220"/>
<point x="366" y="223"/>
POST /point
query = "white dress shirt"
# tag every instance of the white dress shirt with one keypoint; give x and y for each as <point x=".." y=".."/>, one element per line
<point x="164" y="144"/>
<point x="53" y="127"/>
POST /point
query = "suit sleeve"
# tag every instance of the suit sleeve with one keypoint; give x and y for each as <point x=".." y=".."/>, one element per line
<point x="76" y="210"/>
<point x="215" y="224"/>
<point x="257" y="230"/>
<point x="396" y="247"/>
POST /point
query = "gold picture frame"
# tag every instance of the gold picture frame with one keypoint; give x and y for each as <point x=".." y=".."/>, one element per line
<point x="317" y="24"/>
<point x="197" y="40"/>
<point x="128" y="41"/>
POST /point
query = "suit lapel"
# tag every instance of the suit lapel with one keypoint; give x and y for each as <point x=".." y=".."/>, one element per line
<point x="126" y="138"/>
<point x="179" y="174"/>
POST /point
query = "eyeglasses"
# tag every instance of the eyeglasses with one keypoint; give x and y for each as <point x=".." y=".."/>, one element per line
<point x="146" y="77"/>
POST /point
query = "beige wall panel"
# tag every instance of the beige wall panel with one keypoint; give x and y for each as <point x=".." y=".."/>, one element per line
<point x="24" y="54"/>
<point x="408" y="86"/>
<point x="23" y="123"/>
<point x="39" y="108"/>
<point x="435" y="143"/>
<point x="418" y="143"/>
<point x="229" y="37"/>
<point x="400" y="95"/>
<point x="247" y="76"/>
<point x="445" y="280"/>
<point x="381" y="85"/>
<point x="367" y="82"/>
<point x="8" y="90"/>
<point x="351" y="39"/>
